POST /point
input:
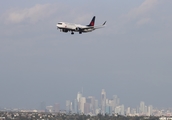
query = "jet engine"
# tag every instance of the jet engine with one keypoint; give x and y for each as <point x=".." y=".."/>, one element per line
<point x="65" y="30"/>
<point x="78" y="29"/>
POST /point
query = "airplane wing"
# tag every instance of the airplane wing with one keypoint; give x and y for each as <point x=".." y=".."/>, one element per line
<point x="89" y="28"/>
<point x="103" y="25"/>
<point x="94" y="27"/>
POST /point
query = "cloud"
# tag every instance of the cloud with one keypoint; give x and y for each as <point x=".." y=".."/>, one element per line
<point x="137" y="17"/>
<point x="143" y="21"/>
<point x="140" y="15"/>
<point x="40" y="12"/>
<point x="33" y="14"/>
<point x="143" y="10"/>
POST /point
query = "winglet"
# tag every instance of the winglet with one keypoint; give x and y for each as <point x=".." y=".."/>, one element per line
<point x="104" y="23"/>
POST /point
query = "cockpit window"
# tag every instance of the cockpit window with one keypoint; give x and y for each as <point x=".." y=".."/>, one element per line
<point x="60" y="23"/>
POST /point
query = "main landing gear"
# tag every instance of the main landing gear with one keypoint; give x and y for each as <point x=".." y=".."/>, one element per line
<point x="73" y="33"/>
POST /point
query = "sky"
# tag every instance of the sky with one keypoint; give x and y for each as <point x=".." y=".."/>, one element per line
<point x="131" y="57"/>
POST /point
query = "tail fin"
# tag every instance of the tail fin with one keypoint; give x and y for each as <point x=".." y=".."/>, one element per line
<point x="92" y="22"/>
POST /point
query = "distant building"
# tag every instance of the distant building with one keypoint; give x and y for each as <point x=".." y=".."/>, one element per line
<point x="142" y="108"/>
<point x="91" y="100"/>
<point x="96" y="104"/>
<point x="49" y="109"/>
<point x="42" y="106"/>
<point x="87" y="109"/>
<point x="103" y="101"/>
<point x="56" y="107"/>
<point x="75" y="106"/>
<point x="150" y="110"/>
<point x="165" y="118"/>
<point x="117" y="110"/>
<point x="122" y="110"/>
<point x="2" y="118"/>
<point x="115" y="102"/>
<point x="128" y="111"/>
<point x="108" y="109"/>
<point x="82" y="102"/>
<point x="68" y="106"/>
<point x="79" y="95"/>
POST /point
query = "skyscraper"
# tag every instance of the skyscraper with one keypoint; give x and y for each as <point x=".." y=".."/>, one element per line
<point x="103" y="101"/>
<point x="91" y="100"/>
<point x="150" y="108"/>
<point x="145" y="110"/>
<point x="128" y="111"/>
<point x="79" y="95"/>
<point x="122" y="110"/>
<point x="96" y="104"/>
<point x="142" y="107"/>
<point x="71" y="107"/>
<point x="82" y="101"/>
<point x="115" y="102"/>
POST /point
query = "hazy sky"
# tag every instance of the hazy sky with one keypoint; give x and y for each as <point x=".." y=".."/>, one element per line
<point x="131" y="57"/>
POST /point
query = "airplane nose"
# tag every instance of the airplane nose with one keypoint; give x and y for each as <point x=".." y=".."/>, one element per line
<point x="57" y="26"/>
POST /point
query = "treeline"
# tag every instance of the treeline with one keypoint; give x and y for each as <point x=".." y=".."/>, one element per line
<point x="60" y="116"/>
<point x="106" y="117"/>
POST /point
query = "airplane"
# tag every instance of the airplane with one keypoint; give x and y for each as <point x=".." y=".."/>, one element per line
<point x="71" y="27"/>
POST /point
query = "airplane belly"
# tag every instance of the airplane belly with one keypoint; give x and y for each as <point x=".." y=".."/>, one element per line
<point x="88" y="30"/>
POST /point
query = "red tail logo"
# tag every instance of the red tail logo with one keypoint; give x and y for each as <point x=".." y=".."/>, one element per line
<point x="92" y="22"/>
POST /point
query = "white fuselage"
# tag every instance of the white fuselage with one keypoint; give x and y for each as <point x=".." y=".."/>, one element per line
<point x="73" y="27"/>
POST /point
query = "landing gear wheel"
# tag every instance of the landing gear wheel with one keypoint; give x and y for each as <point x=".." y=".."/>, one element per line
<point x="72" y="33"/>
<point x="80" y="32"/>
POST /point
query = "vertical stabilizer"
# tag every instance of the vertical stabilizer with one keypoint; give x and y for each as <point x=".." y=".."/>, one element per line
<point x="92" y="22"/>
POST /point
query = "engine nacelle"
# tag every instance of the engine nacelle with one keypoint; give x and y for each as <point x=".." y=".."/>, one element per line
<point x="78" y="29"/>
<point x="65" y="30"/>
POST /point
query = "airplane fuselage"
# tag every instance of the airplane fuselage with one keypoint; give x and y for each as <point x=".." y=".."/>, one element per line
<point x="71" y="27"/>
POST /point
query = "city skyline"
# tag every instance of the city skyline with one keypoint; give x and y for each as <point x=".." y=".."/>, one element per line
<point x="80" y="94"/>
<point x="90" y="105"/>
